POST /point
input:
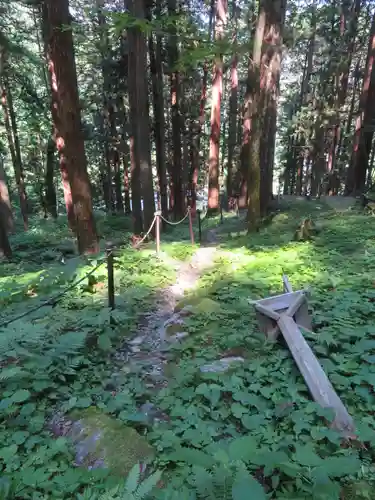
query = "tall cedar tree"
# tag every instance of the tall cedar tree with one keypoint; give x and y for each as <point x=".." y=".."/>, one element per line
<point x="49" y="196"/>
<point x="141" y="171"/>
<point x="106" y="115"/>
<point x="364" y="131"/>
<point x="177" y="195"/>
<point x="12" y="135"/>
<point x="67" y="120"/>
<point x="252" y="122"/>
<point x="6" y="216"/>
<point x="233" y="109"/>
<point x="46" y="27"/>
<point x="195" y="148"/>
<point x="156" y="67"/>
<point x="217" y="91"/>
<point x="269" y="88"/>
<point x="348" y="30"/>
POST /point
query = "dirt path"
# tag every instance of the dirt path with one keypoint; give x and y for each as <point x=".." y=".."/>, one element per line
<point x="147" y="353"/>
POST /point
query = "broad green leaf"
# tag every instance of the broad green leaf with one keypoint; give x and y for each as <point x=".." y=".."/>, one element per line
<point x="104" y="342"/>
<point x="245" y="487"/>
<point x="21" y="395"/>
<point x="306" y="456"/>
<point x="242" y="448"/>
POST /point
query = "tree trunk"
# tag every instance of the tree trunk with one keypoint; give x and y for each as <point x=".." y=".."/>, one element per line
<point x="5" y="249"/>
<point x="253" y="124"/>
<point x="156" y="67"/>
<point x="356" y="180"/>
<point x="7" y="215"/>
<point x="46" y="28"/>
<point x="195" y="152"/>
<point x="349" y="16"/>
<point x="176" y="171"/>
<point x="217" y="90"/>
<point x="50" y="191"/>
<point x="269" y="85"/>
<point x="141" y="175"/>
<point x="68" y="130"/>
<point x="12" y="135"/>
<point x="233" y="109"/>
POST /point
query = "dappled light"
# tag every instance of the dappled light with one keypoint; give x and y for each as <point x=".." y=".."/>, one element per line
<point x="187" y="250"/>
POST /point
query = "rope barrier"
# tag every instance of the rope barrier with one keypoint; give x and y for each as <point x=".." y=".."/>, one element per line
<point x="148" y="232"/>
<point x="175" y="223"/>
<point x="54" y="299"/>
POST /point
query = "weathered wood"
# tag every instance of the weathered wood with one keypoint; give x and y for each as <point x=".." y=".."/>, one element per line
<point x="317" y="381"/>
<point x="267" y="311"/>
<point x="293" y="308"/>
<point x="267" y="326"/>
<point x="280" y="302"/>
<point x="286" y="285"/>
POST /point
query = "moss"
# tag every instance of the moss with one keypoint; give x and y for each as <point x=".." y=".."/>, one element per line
<point x="120" y="447"/>
<point x="199" y="305"/>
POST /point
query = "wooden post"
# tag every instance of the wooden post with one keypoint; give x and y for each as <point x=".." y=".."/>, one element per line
<point x="191" y="227"/>
<point x="111" y="281"/>
<point x="199" y="225"/>
<point x="157" y="231"/>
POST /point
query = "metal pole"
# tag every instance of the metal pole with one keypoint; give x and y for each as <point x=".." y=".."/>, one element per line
<point x="157" y="231"/>
<point x="199" y="226"/>
<point x="111" y="281"/>
<point x="191" y="227"/>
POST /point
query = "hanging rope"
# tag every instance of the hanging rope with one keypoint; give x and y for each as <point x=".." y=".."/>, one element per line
<point x="176" y="223"/>
<point x="145" y="236"/>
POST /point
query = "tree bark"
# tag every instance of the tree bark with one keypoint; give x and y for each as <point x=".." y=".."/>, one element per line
<point x="5" y="248"/>
<point x="356" y="180"/>
<point x="196" y="137"/>
<point x="176" y="170"/>
<point x="7" y="214"/>
<point x="252" y="119"/>
<point x="217" y="91"/>
<point x="349" y="20"/>
<point x="68" y="131"/>
<point x="50" y="191"/>
<point x="141" y="175"/>
<point x="269" y="85"/>
<point x="47" y="33"/>
<point x="12" y="136"/>
<point x="233" y="109"/>
<point x="156" y="66"/>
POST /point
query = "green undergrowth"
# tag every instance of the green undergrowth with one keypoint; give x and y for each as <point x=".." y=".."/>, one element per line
<point x="254" y="432"/>
<point x="58" y="358"/>
<point x="251" y="433"/>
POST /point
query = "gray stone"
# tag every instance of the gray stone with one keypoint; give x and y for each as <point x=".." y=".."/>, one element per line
<point x="221" y="365"/>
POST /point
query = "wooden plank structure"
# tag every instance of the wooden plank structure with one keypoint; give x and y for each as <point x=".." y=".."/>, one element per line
<point x="287" y="313"/>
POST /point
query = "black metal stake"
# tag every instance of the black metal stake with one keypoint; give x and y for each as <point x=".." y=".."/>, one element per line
<point x="111" y="281"/>
<point x="199" y="226"/>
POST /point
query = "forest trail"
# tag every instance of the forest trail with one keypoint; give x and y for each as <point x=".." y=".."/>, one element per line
<point x="147" y="352"/>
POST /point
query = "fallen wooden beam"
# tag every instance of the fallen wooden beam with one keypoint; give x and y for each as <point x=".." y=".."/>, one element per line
<point x="316" y="380"/>
<point x="288" y="319"/>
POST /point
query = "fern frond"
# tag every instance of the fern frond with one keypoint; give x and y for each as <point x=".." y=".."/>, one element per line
<point x="133" y="479"/>
<point x="147" y="485"/>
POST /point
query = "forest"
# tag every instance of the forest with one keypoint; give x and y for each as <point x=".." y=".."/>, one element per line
<point x="203" y="109"/>
<point x="133" y="364"/>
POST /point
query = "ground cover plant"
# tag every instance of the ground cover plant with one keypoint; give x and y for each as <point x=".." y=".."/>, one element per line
<point x="251" y="432"/>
